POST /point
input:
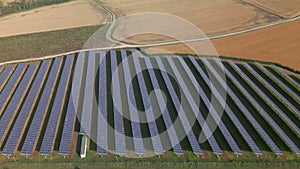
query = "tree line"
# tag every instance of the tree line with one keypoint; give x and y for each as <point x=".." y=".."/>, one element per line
<point x="21" y="5"/>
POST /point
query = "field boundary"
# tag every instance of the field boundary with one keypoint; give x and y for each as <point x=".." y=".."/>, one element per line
<point x="139" y="48"/>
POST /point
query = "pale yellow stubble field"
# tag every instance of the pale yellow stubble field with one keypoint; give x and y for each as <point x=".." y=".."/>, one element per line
<point x="72" y="14"/>
<point x="211" y="17"/>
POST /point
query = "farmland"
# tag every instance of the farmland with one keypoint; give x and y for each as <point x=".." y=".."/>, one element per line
<point x="55" y="17"/>
<point x="222" y="16"/>
<point x="35" y="45"/>
<point x="261" y="119"/>
<point x="161" y="106"/>
<point x="283" y="49"/>
<point x="275" y="44"/>
<point x="287" y="9"/>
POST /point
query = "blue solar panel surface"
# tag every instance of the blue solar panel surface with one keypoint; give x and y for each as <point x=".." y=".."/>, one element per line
<point x="33" y="131"/>
<point x="102" y="107"/>
<point x="18" y="127"/>
<point x="14" y="84"/>
<point x="278" y="81"/>
<point x="53" y="121"/>
<point x="228" y="110"/>
<point x="136" y="130"/>
<point x="180" y="110"/>
<point x="175" y="142"/>
<point x="269" y="100"/>
<point x="65" y="143"/>
<point x="215" y="147"/>
<point x="10" y="84"/>
<point x="87" y="107"/>
<point x="221" y="125"/>
<point x="12" y="106"/>
<point x="291" y="80"/>
<point x="182" y="115"/>
<point x="118" y="118"/>
<point x="4" y="74"/>
<point x="202" y="94"/>
<point x="267" y="117"/>
<point x="248" y="115"/>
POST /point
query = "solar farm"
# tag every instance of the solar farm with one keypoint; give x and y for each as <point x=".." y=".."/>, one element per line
<point x="89" y="100"/>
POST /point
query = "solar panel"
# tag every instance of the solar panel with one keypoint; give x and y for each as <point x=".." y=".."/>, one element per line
<point x="10" y="85"/>
<point x="265" y="114"/>
<point x="35" y="125"/>
<point x="102" y="109"/>
<point x="182" y="115"/>
<point x="118" y="118"/>
<point x="157" y="145"/>
<point x="65" y="143"/>
<point x="136" y="130"/>
<point x="228" y="110"/>
<point x="248" y="115"/>
<point x="278" y="81"/>
<point x="203" y="96"/>
<point x="4" y="74"/>
<point x="53" y="122"/>
<point x="221" y="125"/>
<point x="193" y="141"/>
<point x="18" y="127"/>
<point x="269" y="100"/>
<point x="10" y="111"/>
<point x="87" y="107"/>
<point x="287" y="77"/>
<point x="175" y="142"/>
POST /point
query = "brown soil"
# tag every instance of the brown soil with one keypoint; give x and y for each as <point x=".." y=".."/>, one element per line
<point x="276" y="44"/>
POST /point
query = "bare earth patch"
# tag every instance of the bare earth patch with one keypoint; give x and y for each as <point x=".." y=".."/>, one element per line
<point x="286" y="8"/>
<point x="276" y="44"/>
<point x="62" y="16"/>
<point x="211" y="17"/>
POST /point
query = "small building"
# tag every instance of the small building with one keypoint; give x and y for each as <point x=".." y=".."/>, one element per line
<point x="83" y="147"/>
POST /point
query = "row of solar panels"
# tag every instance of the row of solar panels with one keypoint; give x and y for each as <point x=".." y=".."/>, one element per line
<point x="27" y="99"/>
<point x="178" y="67"/>
<point x="39" y="103"/>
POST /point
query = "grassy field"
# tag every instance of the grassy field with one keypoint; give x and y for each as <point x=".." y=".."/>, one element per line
<point x="45" y="43"/>
<point x="169" y="160"/>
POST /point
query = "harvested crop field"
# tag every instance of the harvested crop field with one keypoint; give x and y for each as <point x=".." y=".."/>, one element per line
<point x="55" y="17"/>
<point x="211" y="17"/>
<point x="286" y="9"/>
<point x="276" y="44"/>
<point x="6" y="1"/>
